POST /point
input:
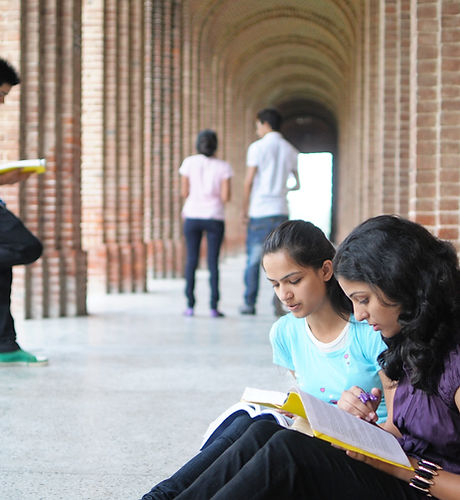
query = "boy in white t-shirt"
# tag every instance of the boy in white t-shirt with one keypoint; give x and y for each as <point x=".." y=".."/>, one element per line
<point x="271" y="160"/>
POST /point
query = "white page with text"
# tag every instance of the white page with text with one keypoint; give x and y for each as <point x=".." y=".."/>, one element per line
<point x="332" y="421"/>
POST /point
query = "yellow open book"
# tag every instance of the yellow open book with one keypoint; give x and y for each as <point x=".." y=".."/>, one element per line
<point x="330" y="423"/>
<point x="37" y="165"/>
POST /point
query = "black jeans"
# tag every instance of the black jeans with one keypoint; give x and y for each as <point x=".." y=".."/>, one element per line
<point x="193" y="231"/>
<point x="17" y="246"/>
<point x="270" y="462"/>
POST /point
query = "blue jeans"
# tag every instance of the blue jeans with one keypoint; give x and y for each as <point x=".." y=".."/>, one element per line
<point x="258" y="229"/>
<point x="184" y="477"/>
<point x="193" y="231"/>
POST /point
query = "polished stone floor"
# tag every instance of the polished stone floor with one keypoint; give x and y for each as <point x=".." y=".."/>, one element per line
<point x="129" y="389"/>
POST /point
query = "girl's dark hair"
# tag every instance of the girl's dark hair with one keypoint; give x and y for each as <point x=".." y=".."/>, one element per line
<point x="206" y="142"/>
<point x="308" y="246"/>
<point x="8" y="74"/>
<point x="419" y="273"/>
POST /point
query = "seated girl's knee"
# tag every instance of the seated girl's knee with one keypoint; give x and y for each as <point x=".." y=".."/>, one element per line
<point x="262" y="425"/>
<point x="32" y="251"/>
<point x="262" y="430"/>
<point x="290" y="439"/>
<point x="36" y="249"/>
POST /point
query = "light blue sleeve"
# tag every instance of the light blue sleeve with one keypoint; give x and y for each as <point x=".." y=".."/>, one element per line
<point x="372" y="343"/>
<point x="281" y="351"/>
<point x="371" y="346"/>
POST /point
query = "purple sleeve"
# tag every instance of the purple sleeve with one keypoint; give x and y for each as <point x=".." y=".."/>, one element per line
<point x="450" y="379"/>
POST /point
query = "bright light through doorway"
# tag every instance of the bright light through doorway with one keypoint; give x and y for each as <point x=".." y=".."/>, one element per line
<point x="313" y="201"/>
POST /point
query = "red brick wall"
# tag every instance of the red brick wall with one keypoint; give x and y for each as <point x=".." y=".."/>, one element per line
<point x="411" y="127"/>
<point x="436" y="192"/>
<point x="133" y="109"/>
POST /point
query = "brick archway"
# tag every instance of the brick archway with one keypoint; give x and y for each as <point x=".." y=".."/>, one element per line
<point x="377" y="78"/>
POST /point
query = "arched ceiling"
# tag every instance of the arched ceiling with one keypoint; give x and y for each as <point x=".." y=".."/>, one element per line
<point x="278" y="51"/>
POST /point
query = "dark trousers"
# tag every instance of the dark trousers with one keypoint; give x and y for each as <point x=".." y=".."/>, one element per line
<point x="270" y="462"/>
<point x="193" y="231"/>
<point x="184" y="477"/>
<point x="17" y="246"/>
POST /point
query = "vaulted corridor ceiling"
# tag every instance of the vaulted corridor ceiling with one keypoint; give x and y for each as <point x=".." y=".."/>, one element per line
<point x="283" y="53"/>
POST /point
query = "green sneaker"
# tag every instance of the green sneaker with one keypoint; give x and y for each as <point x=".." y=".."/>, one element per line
<point x="21" y="358"/>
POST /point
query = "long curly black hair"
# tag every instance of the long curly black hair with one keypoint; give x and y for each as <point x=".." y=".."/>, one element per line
<point x="420" y="273"/>
<point x="308" y="246"/>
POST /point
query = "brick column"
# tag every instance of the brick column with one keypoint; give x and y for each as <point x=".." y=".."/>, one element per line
<point x="391" y="101"/>
<point x="93" y="141"/>
<point x="167" y="140"/>
<point x="360" y="155"/>
<point x="425" y="110"/>
<point x="449" y="175"/>
<point x="404" y="105"/>
<point x="113" y="168"/>
<point x="148" y="137"/>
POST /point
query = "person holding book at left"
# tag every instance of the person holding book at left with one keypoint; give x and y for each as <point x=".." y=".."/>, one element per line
<point x="18" y="246"/>
<point x="319" y="341"/>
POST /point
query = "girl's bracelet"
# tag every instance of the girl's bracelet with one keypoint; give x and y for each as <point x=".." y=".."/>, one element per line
<point x="423" y="479"/>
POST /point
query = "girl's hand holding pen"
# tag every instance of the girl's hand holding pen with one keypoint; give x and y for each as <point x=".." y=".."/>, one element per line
<point x="360" y="403"/>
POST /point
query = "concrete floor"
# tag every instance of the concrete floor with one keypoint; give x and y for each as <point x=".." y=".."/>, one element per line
<point x="129" y="390"/>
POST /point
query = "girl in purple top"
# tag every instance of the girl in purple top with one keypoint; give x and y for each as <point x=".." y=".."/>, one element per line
<point x="406" y="284"/>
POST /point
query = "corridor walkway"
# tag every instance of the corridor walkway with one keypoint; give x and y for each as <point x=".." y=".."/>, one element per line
<point x="129" y="390"/>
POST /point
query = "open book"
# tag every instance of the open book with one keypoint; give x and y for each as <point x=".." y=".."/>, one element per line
<point x="38" y="166"/>
<point x="254" y="410"/>
<point x="330" y="423"/>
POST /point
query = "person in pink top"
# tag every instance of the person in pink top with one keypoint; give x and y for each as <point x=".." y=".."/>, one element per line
<point x="206" y="187"/>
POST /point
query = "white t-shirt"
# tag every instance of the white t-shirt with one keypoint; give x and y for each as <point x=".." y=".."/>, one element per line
<point x="275" y="159"/>
<point x="205" y="175"/>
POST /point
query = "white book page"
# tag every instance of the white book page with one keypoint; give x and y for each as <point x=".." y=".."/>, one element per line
<point x="262" y="396"/>
<point x="38" y="162"/>
<point x="281" y="419"/>
<point x="252" y="409"/>
<point x="334" y="422"/>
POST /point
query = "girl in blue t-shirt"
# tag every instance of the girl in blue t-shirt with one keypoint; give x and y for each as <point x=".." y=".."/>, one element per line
<point x="320" y="341"/>
<point x="325" y="348"/>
